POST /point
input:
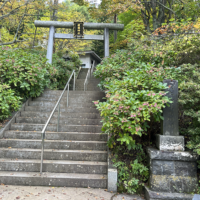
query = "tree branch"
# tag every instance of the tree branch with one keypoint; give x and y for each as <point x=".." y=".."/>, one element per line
<point x="7" y="43"/>
<point x="6" y="1"/>
<point x="166" y="7"/>
<point x="15" y="10"/>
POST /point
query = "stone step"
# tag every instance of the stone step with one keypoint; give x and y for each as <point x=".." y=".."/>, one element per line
<point x="54" y="179"/>
<point x="53" y="127"/>
<point x="56" y="166"/>
<point x="63" y="104"/>
<point x="50" y="154"/>
<point x="63" y="115"/>
<point x="56" y="135"/>
<point x="83" y="73"/>
<point x="88" y="88"/>
<point x="62" y="109"/>
<point x="94" y="80"/>
<point x="54" y="120"/>
<point x="73" y="93"/>
<point x="79" y="99"/>
<point x="89" y="84"/>
<point x="54" y="144"/>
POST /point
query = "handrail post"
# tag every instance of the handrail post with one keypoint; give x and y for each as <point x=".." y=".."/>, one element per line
<point x="58" y="117"/>
<point x="74" y="82"/>
<point x="67" y="95"/>
<point x="42" y="153"/>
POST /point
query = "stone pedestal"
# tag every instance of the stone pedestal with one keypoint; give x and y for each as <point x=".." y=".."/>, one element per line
<point x="173" y="175"/>
<point x="173" y="172"/>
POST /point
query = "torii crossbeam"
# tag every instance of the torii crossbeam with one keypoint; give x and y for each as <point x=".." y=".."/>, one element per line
<point x="97" y="26"/>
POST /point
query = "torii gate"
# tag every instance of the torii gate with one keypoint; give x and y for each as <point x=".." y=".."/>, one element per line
<point x="97" y="26"/>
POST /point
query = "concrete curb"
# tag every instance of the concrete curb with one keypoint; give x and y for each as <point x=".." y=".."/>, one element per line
<point x="13" y="119"/>
<point x="112" y="175"/>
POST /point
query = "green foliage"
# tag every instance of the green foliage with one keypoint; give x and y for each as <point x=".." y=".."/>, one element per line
<point x="25" y="72"/>
<point x="135" y="98"/>
<point x="9" y="102"/>
<point x="189" y="103"/>
<point x="131" y="176"/>
<point x="134" y="94"/>
<point x="62" y="69"/>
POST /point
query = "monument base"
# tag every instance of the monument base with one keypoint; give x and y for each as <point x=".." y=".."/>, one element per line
<point x="172" y="171"/>
<point x="170" y="143"/>
<point x="154" y="195"/>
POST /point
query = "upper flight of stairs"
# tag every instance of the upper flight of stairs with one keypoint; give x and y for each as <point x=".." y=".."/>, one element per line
<point x="76" y="156"/>
<point x="92" y="82"/>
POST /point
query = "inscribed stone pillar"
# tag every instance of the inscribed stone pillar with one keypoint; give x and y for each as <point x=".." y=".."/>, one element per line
<point x="169" y="138"/>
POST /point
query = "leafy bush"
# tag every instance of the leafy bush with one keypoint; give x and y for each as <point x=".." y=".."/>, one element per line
<point x="62" y="69"/>
<point x="25" y="72"/>
<point x="135" y="98"/>
<point x="131" y="176"/>
<point x="9" y="102"/>
<point x="134" y="94"/>
<point x="189" y="105"/>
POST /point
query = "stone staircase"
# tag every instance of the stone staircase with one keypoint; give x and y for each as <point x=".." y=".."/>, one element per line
<point x="76" y="156"/>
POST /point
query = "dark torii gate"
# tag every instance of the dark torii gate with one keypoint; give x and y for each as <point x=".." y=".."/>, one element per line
<point x="97" y="26"/>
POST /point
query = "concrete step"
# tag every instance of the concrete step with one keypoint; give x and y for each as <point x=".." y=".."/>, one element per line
<point x="63" y="104"/>
<point x="54" y="120"/>
<point x="54" y="144"/>
<point x="56" y="135"/>
<point x="54" y="179"/>
<point x="63" y="115"/>
<point x="51" y="154"/>
<point x="62" y="109"/>
<point x="83" y="73"/>
<point x="91" y="88"/>
<point x="53" y="127"/>
<point x="72" y="93"/>
<point x="79" y="99"/>
<point x="95" y="80"/>
<point x="56" y="166"/>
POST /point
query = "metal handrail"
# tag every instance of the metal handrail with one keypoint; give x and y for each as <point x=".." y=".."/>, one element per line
<point x="92" y="68"/>
<point x="57" y="105"/>
<point x="85" y="83"/>
<point x="89" y="73"/>
<point x="78" y="71"/>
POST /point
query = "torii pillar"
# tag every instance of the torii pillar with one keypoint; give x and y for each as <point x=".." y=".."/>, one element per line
<point x="97" y="26"/>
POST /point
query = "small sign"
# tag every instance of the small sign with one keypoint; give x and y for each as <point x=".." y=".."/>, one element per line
<point x="78" y="29"/>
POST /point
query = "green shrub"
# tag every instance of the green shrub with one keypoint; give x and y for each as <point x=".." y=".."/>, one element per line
<point x="27" y="73"/>
<point x="131" y="176"/>
<point x="134" y="93"/>
<point x="189" y="105"/>
<point x="135" y="98"/>
<point x="9" y="102"/>
<point x="62" y="69"/>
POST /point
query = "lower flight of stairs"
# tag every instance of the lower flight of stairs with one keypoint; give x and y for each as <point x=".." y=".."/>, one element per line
<point x="76" y="156"/>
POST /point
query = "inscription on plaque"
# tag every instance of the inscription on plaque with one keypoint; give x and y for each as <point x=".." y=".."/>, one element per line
<point x="78" y="29"/>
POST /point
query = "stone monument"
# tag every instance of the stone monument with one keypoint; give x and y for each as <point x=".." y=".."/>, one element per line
<point x="173" y="171"/>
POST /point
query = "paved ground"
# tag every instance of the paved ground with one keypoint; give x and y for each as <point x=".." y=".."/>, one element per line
<point x="9" y="192"/>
